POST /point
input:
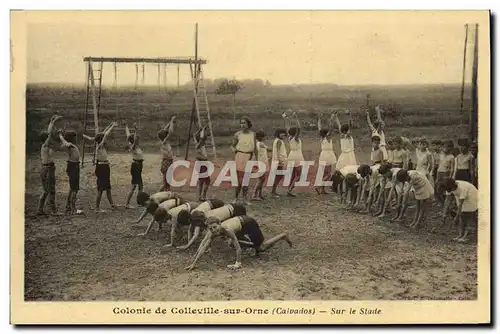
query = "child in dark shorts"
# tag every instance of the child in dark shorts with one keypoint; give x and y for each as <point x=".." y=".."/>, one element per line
<point x="136" y="165"/>
<point x="68" y="141"/>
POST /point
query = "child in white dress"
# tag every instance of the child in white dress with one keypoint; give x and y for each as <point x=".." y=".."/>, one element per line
<point x="327" y="157"/>
<point x="347" y="156"/>
<point x="295" y="154"/>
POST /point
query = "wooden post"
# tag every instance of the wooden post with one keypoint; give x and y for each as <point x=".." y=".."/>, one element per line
<point x="178" y="82"/>
<point x="463" y="70"/>
<point x="94" y="100"/>
<point x="165" y="76"/>
<point x="136" y="75"/>
<point x="195" y="78"/>
<point x="474" y="111"/>
<point x="159" y="78"/>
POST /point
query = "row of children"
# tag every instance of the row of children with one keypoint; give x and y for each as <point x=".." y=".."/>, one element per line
<point x="212" y="217"/>
<point x="67" y="139"/>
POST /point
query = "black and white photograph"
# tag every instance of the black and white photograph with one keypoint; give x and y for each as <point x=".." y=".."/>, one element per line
<point x="259" y="156"/>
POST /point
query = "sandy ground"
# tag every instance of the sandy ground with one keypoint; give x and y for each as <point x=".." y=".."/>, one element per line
<point x="337" y="254"/>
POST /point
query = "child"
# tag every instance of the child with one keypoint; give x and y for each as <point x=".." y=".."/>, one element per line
<point x="463" y="162"/>
<point x="102" y="170"/>
<point x="199" y="219"/>
<point x="166" y="152"/>
<point x="150" y="203"/>
<point x="371" y="179"/>
<point x="72" y="169"/>
<point x="353" y="189"/>
<point x="339" y="178"/>
<point x="424" y="158"/>
<point x="136" y="166"/>
<point x="243" y="232"/>
<point x="377" y="155"/>
<point x="378" y="131"/>
<point x="391" y="187"/>
<point x="279" y="156"/>
<point x="163" y="206"/>
<point x="390" y="150"/>
<point x="262" y="150"/>
<point x="467" y="201"/>
<point x="201" y="155"/>
<point x="295" y="154"/>
<point x="385" y="187"/>
<point x="445" y="168"/>
<point x="179" y="215"/>
<point x="435" y="153"/>
<point x="200" y="214"/>
<point x="48" y="172"/>
<point x="422" y="190"/>
<point x="347" y="156"/>
<point x="399" y="154"/>
<point x="327" y="156"/>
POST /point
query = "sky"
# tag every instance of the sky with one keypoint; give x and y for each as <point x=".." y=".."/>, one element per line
<point x="282" y="47"/>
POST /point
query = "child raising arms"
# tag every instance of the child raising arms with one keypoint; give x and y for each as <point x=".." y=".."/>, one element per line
<point x="137" y="161"/>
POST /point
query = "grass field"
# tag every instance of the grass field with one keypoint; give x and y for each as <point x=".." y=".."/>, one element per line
<point x="337" y="254"/>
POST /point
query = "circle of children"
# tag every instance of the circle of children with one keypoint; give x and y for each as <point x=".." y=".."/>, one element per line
<point x="387" y="183"/>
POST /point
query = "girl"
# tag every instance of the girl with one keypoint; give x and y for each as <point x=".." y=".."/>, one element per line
<point x="347" y="156"/>
<point x="136" y="166"/>
<point x="390" y="150"/>
<point x="201" y="155"/>
<point x="391" y="187"/>
<point x="445" y="169"/>
<point x="424" y="158"/>
<point x="166" y="152"/>
<point x="436" y="147"/>
<point x="244" y="147"/>
<point x="378" y="131"/>
<point x="279" y="156"/>
<point x="295" y="156"/>
<point x="463" y="162"/>
<point x="243" y="232"/>
<point x="423" y="191"/>
<point x="466" y="197"/>
<point x="262" y="150"/>
<point x="327" y="156"/>
<point x="102" y="170"/>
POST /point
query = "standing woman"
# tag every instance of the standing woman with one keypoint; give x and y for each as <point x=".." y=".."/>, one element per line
<point x="347" y="156"/>
<point x="295" y="154"/>
<point x="327" y="156"/>
<point x="244" y="146"/>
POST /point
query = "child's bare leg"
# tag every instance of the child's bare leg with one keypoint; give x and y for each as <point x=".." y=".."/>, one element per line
<point x="466" y="221"/>
<point x="415" y="216"/>
<point x="98" y="201"/>
<point x="73" y="202"/>
<point x="199" y="189"/>
<point x="110" y="198"/>
<point x="422" y="212"/>
<point x="129" y="196"/>
<point x="166" y="185"/>
<point x="69" y="201"/>
<point x="52" y="201"/>
<point x="205" y="190"/>
<point x="271" y="242"/>
<point x="41" y="202"/>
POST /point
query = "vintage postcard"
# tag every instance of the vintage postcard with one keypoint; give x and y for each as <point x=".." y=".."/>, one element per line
<point x="250" y="167"/>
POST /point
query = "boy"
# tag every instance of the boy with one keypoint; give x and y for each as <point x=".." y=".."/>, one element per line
<point x="279" y="157"/>
<point x="201" y="155"/>
<point x="436" y="146"/>
<point x="137" y="161"/>
<point x="150" y="203"/>
<point x="199" y="212"/>
<point x="48" y="172"/>
<point x="463" y="162"/>
<point x="166" y="152"/>
<point x="467" y="201"/>
<point x="377" y="155"/>
<point x="243" y="232"/>
<point x="399" y="155"/>
<point x="177" y="215"/>
<point x="163" y="206"/>
<point x="390" y="148"/>
<point x="445" y="168"/>
<point x="422" y="190"/>
<point x="262" y="150"/>
<point x="72" y="169"/>
<point x="199" y="219"/>
<point x="102" y="170"/>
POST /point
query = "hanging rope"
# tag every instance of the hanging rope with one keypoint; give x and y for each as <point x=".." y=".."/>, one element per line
<point x="115" y="89"/>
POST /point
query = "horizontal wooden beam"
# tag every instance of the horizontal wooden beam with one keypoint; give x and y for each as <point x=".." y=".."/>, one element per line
<point x="146" y="60"/>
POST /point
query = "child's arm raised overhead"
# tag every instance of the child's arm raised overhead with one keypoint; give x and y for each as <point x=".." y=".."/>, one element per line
<point x="319" y="121"/>
<point x="53" y="120"/>
<point x="372" y="128"/>
<point x="330" y="125"/>
<point x="107" y="132"/>
<point x="64" y="142"/>
<point x="337" y="120"/>
<point x="381" y="123"/>
<point x="169" y="128"/>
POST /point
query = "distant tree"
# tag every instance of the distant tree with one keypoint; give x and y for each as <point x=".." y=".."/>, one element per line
<point x="229" y="87"/>
<point x="267" y="83"/>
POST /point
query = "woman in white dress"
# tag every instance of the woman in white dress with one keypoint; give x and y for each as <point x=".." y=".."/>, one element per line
<point x="347" y="156"/>
<point x="295" y="156"/>
<point x="327" y="157"/>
